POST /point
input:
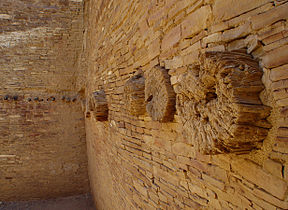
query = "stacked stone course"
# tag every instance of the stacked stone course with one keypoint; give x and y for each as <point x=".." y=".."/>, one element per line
<point x="138" y="163"/>
<point x="42" y="140"/>
<point x="154" y="146"/>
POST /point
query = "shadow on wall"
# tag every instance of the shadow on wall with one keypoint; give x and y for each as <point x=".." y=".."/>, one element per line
<point x="79" y="202"/>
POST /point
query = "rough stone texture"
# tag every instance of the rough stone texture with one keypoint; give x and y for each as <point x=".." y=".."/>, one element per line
<point x="134" y="98"/>
<point x="159" y="95"/>
<point x="134" y="161"/>
<point x="195" y="22"/>
<point x="219" y="105"/>
<point x="42" y="141"/>
<point x="138" y="163"/>
<point x="223" y="10"/>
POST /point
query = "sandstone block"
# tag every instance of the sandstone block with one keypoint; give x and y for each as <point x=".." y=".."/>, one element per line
<point x="276" y="57"/>
<point x="174" y="80"/>
<point x="191" y="58"/>
<point x="193" y="48"/>
<point x="270" y="17"/>
<point x="171" y="38"/>
<point x="223" y="10"/>
<point x="175" y="63"/>
<point x="273" y="167"/>
<point x="216" y="37"/>
<point x="214" y="182"/>
<point x="281" y="145"/>
<point x="252" y="43"/>
<point x="182" y="149"/>
<point x="236" y="45"/>
<point x="196" y="21"/>
<point x="275" y="37"/>
<point x="162" y="143"/>
<point x="270" y="198"/>
<point x="255" y="174"/>
<point x="140" y="188"/>
<point x="235" y="33"/>
<point x="154" y="49"/>
<point x="271" y="30"/>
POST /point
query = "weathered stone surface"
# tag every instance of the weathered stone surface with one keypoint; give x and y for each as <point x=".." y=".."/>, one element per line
<point x="273" y="167"/>
<point x="218" y="102"/>
<point x="195" y="22"/>
<point x="223" y="10"/>
<point x="235" y="33"/>
<point x="270" y="17"/>
<point x="134" y="95"/>
<point x="276" y="57"/>
<point x="171" y="38"/>
<point x="176" y="62"/>
<point x="159" y="95"/>
<point x="135" y="162"/>
<point x="255" y="174"/>
<point x="122" y="36"/>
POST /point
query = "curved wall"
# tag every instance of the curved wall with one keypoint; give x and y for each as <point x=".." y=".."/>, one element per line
<point x="135" y="162"/>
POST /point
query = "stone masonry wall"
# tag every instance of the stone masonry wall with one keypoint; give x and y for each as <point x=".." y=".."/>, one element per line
<point x="42" y="141"/>
<point x="138" y="163"/>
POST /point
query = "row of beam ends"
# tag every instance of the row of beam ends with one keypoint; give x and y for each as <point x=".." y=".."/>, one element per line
<point x="217" y="101"/>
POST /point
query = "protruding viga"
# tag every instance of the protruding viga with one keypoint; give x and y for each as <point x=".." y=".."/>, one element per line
<point x="97" y="106"/>
<point x="159" y="95"/>
<point x="134" y="95"/>
<point x="219" y="105"/>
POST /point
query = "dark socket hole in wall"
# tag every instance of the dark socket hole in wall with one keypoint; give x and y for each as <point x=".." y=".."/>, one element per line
<point x="52" y="98"/>
<point x="29" y="99"/>
<point x="63" y="98"/>
<point x="88" y="114"/>
<point x="15" y="98"/>
<point x="6" y="97"/>
<point x="36" y="99"/>
<point x="150" y="98"/>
